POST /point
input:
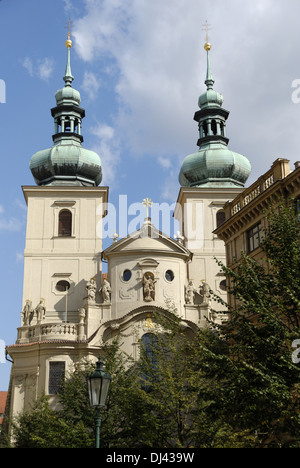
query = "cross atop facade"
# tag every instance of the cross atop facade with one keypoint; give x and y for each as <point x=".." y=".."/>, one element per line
<point x="147" y="202"/>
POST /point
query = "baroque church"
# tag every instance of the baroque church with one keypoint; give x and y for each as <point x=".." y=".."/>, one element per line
<point x="70" y="307"/>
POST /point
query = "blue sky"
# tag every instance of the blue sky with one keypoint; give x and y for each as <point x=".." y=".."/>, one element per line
<point x="139" y="66"/>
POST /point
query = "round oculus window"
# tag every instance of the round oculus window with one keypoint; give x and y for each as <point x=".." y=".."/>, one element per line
<point x="126" y="275"/>
<point x="169" y="275"/>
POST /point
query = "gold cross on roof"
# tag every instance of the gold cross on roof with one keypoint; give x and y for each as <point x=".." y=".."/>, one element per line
<point x="69" y="27"/>
<point x="147" y="202"/>
<point x="206" y="28"/>
<point x="68" y="42"/>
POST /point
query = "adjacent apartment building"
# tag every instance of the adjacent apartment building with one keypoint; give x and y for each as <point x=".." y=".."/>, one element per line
<point x="243" y="219"/>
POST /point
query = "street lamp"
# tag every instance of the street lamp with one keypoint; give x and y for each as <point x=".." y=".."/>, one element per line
<point x="98" y="385"/>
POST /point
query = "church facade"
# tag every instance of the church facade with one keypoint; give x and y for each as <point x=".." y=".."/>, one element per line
<point x="71" y="307"/>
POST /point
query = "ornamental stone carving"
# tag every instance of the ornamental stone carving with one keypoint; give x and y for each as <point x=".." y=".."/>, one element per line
<point x="27" y="313"/>
<point x="149" y="287"/>
<point x="190" y="292"/>
<point x="40" y="311"/>
<point x="105" y="291"/>
<point x="91" y="290"/>
<point x="205" y="293"/>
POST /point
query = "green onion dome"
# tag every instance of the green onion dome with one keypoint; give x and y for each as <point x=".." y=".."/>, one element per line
<point x="214" y="165"/>
<point x="67" y="162"/>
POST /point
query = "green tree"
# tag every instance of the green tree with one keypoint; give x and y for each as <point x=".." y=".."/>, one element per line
<point x="42" y="427"/>
<point x="249" y="359"/>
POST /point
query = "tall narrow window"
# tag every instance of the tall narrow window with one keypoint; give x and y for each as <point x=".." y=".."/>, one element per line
<point x="56" y="376"/>
<point x="254" y="237"/>
<point x="220" y="217"/>
<point x="65" y="223"/>
<point x="149" y="347"/>
<point x="214" y="127"/>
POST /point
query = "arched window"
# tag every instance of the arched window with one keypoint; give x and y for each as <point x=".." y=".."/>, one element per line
<point x="149" y="347"/>
<point x="214" y="127"/>
<point x="65" y="223"/>
<point x="220" y="217"/>
<point x="62" y="285"/>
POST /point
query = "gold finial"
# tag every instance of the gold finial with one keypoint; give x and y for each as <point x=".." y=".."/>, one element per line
<point x="147" y="202"/>
<point x="68" y="42"/>
<point x="207" y="27"/>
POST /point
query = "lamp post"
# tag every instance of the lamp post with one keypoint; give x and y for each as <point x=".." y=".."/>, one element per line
<point x="98" y="385"/>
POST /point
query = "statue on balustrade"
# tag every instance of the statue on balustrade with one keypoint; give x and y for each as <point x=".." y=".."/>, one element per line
<point x="40" y="311"/>
<point x="105" y="291"/>
<point x="205" y="293"/>
<point x="27" y="313"/>
<point x="190" y="292"/>
<point x="91" y="289"/>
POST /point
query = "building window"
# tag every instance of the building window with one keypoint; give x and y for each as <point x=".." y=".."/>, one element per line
<point x="56" y="376"/>
<point x="214" y="127"/>
<point x="126" y="275"/>
<point x="149" y="347"/>
<point x="169" y="275"/>
<point x="65" y="223"/>
<point x="220" y="217"/>
<point x="254" y="237"/>
<point x="62" y="285"/>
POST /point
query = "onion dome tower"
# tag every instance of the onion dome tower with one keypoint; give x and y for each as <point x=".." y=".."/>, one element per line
<point x="214" y="165"/>
<point x="67" y="162"/>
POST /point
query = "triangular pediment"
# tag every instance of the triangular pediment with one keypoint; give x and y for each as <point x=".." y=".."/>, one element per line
<point x="147" y="240"/>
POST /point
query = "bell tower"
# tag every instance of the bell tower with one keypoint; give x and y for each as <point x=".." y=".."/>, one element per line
<point x="62" y="253"/>
<point x="209" y="178"/>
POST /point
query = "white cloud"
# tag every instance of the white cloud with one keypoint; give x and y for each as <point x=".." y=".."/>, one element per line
<point x="107" y="146"/>
<point x="45" y="68"/>
<point x="164" y="162"/>
<point x="42" y="69"/>
<point x="90" y="84"/>
<point x="157" y="48"/>
<point x="68" y="5"/>
<point x="10" y="223"/>
<point x="19" y="257"/>
<point x="27" y="64"/>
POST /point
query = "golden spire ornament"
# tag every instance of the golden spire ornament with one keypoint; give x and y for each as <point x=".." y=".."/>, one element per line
<point x="68" y="42"/>
<point x="207" y="27"/>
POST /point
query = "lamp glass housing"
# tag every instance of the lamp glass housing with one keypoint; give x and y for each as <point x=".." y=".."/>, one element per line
<point x="98" y="384"/>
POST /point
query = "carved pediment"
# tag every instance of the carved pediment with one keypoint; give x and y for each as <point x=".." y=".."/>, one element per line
<point x="147" y="241"/>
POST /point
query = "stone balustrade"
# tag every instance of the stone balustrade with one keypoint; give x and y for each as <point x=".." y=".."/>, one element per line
<point x="51" y="331"/>
<point x="279" y="170"/>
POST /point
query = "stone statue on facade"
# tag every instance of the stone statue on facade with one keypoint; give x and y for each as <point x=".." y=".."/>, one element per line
<point x="190" y="292"/>
<point x="105" y="291"/>
<point x="40" y="311"/>
<point x="27" y="313"/>
<point x="205" y="293"/>
<point x="91" y="290"/>
<point x="149" y="287"/>
<point x="81" y="313"/>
